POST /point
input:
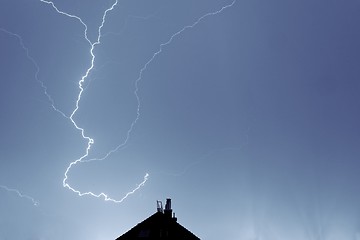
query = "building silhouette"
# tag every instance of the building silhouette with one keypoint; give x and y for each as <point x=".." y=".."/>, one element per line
<point x="162" y="225"/>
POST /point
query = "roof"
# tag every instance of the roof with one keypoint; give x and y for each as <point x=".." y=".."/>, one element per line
<point x="159" y="225"/>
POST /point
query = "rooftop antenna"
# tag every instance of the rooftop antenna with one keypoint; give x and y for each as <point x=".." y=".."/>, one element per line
<point x="159" y="206"/>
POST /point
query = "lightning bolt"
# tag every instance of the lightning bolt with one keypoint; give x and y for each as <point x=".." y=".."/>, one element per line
<point x="36" y="203"/>
<point x="52" y="103"/>
<point x="90" y="141"/>
<point x="142" y="70"/>
<point x="37" y="71"/>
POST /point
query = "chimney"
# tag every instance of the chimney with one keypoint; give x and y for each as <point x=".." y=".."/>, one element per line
<point x="168" y="210"/>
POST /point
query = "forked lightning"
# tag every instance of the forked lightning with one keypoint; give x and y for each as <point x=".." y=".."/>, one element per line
<point x="90" y="141"/>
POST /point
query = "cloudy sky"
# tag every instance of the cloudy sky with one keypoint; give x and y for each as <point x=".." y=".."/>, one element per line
<point x="248" y="117"/>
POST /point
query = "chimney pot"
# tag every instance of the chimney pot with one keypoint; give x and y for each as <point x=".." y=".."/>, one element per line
<point x="168" y="204"/>
<point x="168" y="210"/>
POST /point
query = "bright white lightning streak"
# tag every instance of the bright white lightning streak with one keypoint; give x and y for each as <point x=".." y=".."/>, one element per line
<point x="82" y="80"/>
<point x="32" y="60"/>
<point x="36" y="203"/>
<point x="162" y="45"/>
<point x="90" y="141"/>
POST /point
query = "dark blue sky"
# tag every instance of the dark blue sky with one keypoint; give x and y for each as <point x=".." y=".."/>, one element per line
<point x="249" y="120"/>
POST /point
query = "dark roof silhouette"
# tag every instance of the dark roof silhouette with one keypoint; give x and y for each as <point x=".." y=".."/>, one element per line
<point x="160" y="225"/>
